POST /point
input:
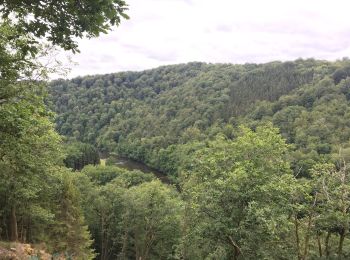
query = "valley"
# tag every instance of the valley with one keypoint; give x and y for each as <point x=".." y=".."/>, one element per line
<point x="243" y="154"/>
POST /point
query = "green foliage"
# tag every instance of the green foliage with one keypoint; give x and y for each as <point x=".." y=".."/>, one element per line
<point x="238" y="196"/>
<point x="244" y="189"/>
<point x="29" y="149"/>
<point x="68" y="232"/>
<point x="152" y="221"/>
<point x="61" y="21"/>
<point x="130" y="215"/>
<point x="38" y="203"/>
<point x="101" y="175"/>
<point x="14" y="56"/>
<point x="270" y="81"/>
<point x="146" y="115"/>
<point x="80" y="154"/>
<point x="332" y="196"/>
<point x="314" y="119"/>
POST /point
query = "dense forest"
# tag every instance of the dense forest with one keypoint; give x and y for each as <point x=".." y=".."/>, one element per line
<point x="150" y="116"/>
<point x="255" y="156"/>
<point x="259" y="153"/>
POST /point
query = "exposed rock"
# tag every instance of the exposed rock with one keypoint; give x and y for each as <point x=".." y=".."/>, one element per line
<point x="6" y="254"/>
<point x="18" y="251"/>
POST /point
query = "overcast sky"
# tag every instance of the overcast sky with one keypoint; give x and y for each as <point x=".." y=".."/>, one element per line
<point x="162" y="32"/>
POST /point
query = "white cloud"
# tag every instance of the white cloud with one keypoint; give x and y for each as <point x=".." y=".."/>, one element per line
<point x="163" y="32"/>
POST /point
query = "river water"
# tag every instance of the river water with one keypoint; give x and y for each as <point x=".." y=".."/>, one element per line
<point x="130" y="164"/>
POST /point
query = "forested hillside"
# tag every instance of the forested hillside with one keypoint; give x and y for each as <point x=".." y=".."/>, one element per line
<point x="149" y="116"/>
<point x="247" y="161"/>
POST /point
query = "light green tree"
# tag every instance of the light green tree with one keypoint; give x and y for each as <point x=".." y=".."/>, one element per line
<point x="238" y="197"/>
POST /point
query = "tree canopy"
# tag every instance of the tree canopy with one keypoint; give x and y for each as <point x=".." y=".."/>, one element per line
<point x="149" y="116"/>
<point x="60" y="22"/>
<point x="38" y="202"/>
<point x="258" y="154"/>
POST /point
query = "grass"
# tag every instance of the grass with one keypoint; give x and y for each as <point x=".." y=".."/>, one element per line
<point x="103" y="162"/>
<point x="6" y="245"/>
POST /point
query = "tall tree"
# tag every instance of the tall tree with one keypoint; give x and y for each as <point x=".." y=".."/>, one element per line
<point x="238" y="192"/>
<point x="29" y="146"/>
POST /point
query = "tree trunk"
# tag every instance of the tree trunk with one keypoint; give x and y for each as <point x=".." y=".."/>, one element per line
<point x="13" y="225"/>
<point x="125" y="239"/>
<point x="319" y="245"/>
<point x="307" y="238"/>
<point x="327" y="244"/>
<point x="236" y="250"/>
<point x="103" y="244"/>
<point x="236" y="253"/>
<point x="340" y="247"/>
<point x="296" y="224"/>
<point x="150" y="238"/>
<point x="29" y="230"/>
<point x="308" y="230"/>
<point x="5" y="224"/>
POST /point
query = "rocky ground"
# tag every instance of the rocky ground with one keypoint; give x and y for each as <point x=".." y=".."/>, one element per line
<point x="18" y="251"/>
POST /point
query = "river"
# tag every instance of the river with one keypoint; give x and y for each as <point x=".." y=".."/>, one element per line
<point x="130" y="164"/>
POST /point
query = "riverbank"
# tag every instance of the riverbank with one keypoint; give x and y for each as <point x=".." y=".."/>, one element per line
<point x="129" y="164"/>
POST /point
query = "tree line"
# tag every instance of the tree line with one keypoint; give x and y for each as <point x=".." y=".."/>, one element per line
<point x="155" y="116"/>
<point x="259" y="153"/>
<point x="238" y="199"/>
